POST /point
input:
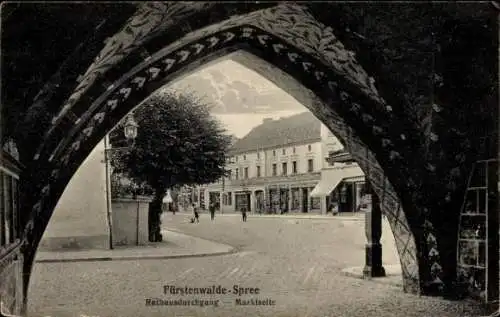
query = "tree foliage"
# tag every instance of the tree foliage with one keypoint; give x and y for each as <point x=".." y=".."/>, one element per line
<point x="178" y="143"/>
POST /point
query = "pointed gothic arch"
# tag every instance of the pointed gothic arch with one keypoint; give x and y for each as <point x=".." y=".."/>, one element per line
<point x="138" y="60"/>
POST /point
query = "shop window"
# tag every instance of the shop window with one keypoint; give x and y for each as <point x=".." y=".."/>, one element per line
<point x="9" y="214"/>
<point x="315" y="202"/>
<point x="295" y="199"/>
<point x="241" y="201"/>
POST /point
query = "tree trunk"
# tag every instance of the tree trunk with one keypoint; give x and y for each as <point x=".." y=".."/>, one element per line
<point x="154" y="219"/>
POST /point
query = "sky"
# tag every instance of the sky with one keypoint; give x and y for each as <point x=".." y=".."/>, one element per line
<point x="241" y="97"/>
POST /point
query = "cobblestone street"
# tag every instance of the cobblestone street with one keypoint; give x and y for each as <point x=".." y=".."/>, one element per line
<point x="295" y="262"/>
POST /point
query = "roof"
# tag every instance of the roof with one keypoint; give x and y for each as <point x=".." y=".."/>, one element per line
<point x="300" y="128"/>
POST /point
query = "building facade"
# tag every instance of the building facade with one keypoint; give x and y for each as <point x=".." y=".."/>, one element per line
<point x="280" y="166"/>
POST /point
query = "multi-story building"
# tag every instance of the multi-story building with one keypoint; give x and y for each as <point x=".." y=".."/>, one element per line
<point x="280" y="166"/>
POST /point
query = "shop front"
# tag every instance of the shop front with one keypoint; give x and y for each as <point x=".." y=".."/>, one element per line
<point x="338" y="191"/>
<point x="242" y="200"/>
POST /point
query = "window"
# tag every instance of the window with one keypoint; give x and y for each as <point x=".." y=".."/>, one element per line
<point x="258" y="171"/>
<point x="8" y="212"/>
<point x="293" y="150"/>
<point x="284" y="168"/>
<point x="244" y="157"/>
<point x="236" y="158"/>
<point x="229" y="199"/>
<point x="258" y="155"/>
<point x="246" y="172"/>
<point x="315" y="202"/>
<point x="9" y="222"/>
<point x="309" y="147"/>
<point x="237" y="174"/>
<point x="294" y="167"/>
<point x="230" y="174"/>
<point x="274" y="152"/>
<point x="274" y="170"/>
<point x="283" y="152"/>
<point x="310" y="165"/>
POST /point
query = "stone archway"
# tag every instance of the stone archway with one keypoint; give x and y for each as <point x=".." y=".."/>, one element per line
<point x="135" y="63"/>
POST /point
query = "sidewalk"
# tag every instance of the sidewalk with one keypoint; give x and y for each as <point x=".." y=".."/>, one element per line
<point x="176" y="245"/>
<point x="349" y="217"/>
<point x="393" y="274"/>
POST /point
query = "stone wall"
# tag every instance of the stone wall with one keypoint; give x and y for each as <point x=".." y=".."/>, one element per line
<point x="130" y="221"/>
<point x="80" y="220"/>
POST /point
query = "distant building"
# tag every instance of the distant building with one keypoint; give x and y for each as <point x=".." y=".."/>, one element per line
<point x="280" y="166"/>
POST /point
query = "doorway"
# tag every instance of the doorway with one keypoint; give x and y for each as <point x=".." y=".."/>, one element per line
<point x="305" y="200"/>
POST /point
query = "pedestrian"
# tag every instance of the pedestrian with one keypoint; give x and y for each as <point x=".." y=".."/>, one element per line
<point x="244" y="213"/>
<point x="211" y="208"/>
<point x="196" y="213"/>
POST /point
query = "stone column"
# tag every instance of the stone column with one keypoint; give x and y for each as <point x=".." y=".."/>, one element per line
<point x="373" y="230"/>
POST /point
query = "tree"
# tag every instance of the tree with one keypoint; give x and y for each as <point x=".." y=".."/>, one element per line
<point x="178" y="143"/>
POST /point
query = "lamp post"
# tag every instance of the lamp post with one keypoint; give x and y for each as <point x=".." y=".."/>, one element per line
<point x="130" y="132"/>
<point x="373" y="231"/>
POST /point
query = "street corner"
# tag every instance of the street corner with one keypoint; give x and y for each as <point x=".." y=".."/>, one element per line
<point x="393" y="274"/>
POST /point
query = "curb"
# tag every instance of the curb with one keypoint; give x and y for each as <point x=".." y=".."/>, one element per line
<point x="380" y="280"/>
<point x="198" y="237"/>
<point x="230" y="250"/>
<point x="130" y="258"/>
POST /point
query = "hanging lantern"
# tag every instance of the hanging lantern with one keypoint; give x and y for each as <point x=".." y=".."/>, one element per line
<point x="168" y="198"/>
<point x="130" y="128"/>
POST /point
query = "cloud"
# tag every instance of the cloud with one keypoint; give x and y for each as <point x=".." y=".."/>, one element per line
<point x="232" y="88"/>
